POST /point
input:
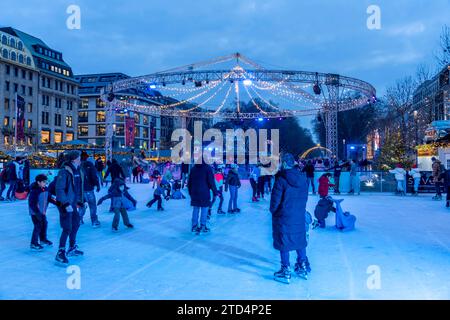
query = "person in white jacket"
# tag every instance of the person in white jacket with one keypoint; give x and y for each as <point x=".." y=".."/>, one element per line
<point x="400" y="176"/>
<point x="415" y="173"/>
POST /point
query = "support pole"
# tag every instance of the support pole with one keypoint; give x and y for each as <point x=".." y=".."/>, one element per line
<point x="109" y="130"/>
<point x="332" y="114"/>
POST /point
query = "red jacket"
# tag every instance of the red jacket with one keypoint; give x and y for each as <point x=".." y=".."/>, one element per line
<point x="324" y="184"/>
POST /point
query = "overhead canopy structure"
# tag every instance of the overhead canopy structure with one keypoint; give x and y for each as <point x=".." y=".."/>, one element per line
<point x="202" y="91"/>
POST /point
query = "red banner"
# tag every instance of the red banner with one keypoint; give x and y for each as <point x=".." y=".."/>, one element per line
<point x="129" y="131"/>
<point x="20" y="116"/>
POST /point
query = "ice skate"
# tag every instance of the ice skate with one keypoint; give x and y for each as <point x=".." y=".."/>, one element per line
<point x="36" y="247"/>
<point x="47" y="242"/>
<point x="74" y="252"/>
<point x="301" y="271"/>
<point x="61" y="258"/>
<point x="284" y="275"/>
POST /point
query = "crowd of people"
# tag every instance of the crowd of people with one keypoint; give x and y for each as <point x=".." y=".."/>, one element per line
<point x="80" y="177"/>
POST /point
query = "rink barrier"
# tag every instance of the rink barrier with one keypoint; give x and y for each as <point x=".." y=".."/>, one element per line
<point x="369" y="181"/>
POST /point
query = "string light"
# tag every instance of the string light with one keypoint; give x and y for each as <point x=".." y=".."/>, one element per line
<point x="253" y="101"/>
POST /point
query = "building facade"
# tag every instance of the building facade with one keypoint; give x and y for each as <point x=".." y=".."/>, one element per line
<point x="92" y="115"/>
<point x="51" y="90"/>
<point x="432" y="98"/>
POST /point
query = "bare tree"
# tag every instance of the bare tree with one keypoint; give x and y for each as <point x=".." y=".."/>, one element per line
<point x="399" y="98"/>
<point x="443" y="54"/>
<point x="423" y="73"/>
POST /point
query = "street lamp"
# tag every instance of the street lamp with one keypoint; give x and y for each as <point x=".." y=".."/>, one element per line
<point x="415" y="113"/>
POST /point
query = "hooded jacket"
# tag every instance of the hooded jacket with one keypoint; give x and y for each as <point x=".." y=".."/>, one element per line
<point x="288" y="206"/>
<point x="400" y="173"/>
<point x="38" y="200"/>
<point x="117" y="195"/>
<point x="66" y="189"/>
<point x="200" y="183"/>
<point x="324" y="185"/>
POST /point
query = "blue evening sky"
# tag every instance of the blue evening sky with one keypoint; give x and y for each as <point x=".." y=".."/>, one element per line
<point x="142" y="37"/>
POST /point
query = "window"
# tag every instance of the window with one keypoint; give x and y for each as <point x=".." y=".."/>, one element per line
<point x="5" y="54"/>
<point x="69" y="105"/>
<point x="16" y="72"/>
<point x="8" y="69"/>
<point x="45" y="136"/>
<point x="23" y="89"/>
<point x="58" y="103"/>
<point x="20" y="45"/>
<point x="30" y="76"/>
<point x="4" y="40"/>
<point x="6" y="104"/>
<point x="100" y="116"/>
<point x="16" y="87"/>
<point x="24" y="74"/>
<point x="48" y="82"/>
<point x="82" y="117"/>
<point x="30" y="91"/>
<point x="100" y="104"/>
<point x="69" y="121"/>
<point x="21" y="58"/>
<point x="58" y="120"/>
<point x="84" y="103"/>
<point x="30" y="124"/>
<point x="83" y="131"/>
<point x="45" y="117"/>
<point x="30" y="108"/>
<point x="6" y="121"/>
<point x="7" y="85"/>
<point x="12" y="42"/>
<point x="146" y="120"/>
<point x="45" y="100"/>
<point x="120" y="130"/>
<point x="29" y="61"/>
<point x="58" y="137"/>
<point x="101" y="130"/>
<point x="69" y="136"/>
<point x="13" y="56"/>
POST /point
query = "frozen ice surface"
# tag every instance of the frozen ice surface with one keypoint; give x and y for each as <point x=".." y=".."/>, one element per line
<point x="407" y="238"/>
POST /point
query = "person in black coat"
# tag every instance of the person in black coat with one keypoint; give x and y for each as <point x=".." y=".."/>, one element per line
<point x="309" y="170"/>
<point x="200" y="184"/>
<point x="184" y="173"/>
<point x="446" y="176"/>
<point x="233" y="183"/>
<point x="91" y="182"/>
<point x="288" y="207"/>
<point x="100" y="166"/>
<point x="337" y="176"/>
<point x="115" y="170"/>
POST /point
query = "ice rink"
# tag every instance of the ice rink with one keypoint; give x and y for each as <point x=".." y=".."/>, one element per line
<point x="406" y="239"/>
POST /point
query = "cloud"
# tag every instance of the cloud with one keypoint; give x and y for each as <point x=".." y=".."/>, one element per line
<point x="407" y="30"/>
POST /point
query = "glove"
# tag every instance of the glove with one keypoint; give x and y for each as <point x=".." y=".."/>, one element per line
<point x="68" y="208"/>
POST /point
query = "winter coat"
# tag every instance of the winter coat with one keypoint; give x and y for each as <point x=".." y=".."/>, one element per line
<point x="288" y="206"/>
<point x="90" y="176"/>
<point x="324" y="185"/>
<point x="66" y="189"/>
<point x="115" y="170"/>
<point x="447" y="178"/>
<point x="200" y="182"/>
<point x="117" y="196"/>
<point x="185" y="168"/>
<point x="438" y="170"/>
<point x="323" y="207"/>
<point x="400" y="173"/>
<point x="232" y="180"/>
<point x="99" y="166"/>
<point x="13" y="171"/>
<point x="353" y="169"/>
<point x="218" y="178"/>
<point x="38" y="200"/>
<point x="309" y="170"/>
<point x="415" y="173"/>
<point x="337" y="171"/>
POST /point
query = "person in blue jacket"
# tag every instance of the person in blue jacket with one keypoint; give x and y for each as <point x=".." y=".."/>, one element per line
<point x="288" y="207"/>
<point x="38" y="201"/>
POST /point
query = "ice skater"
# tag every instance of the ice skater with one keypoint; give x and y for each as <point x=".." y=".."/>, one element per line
<point x="200" y="184"/>
<point x="414" y="172"/>
<point x="117" y="193"/>
<point x="288" y="207"/>
<point x="219" y="180"/>
<point x="158" y="194"/>
<point x="38" y="202"/>
<point x="325" y="204"/>
<point x="400" y="177"/>
<point x="233" y="183"/>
